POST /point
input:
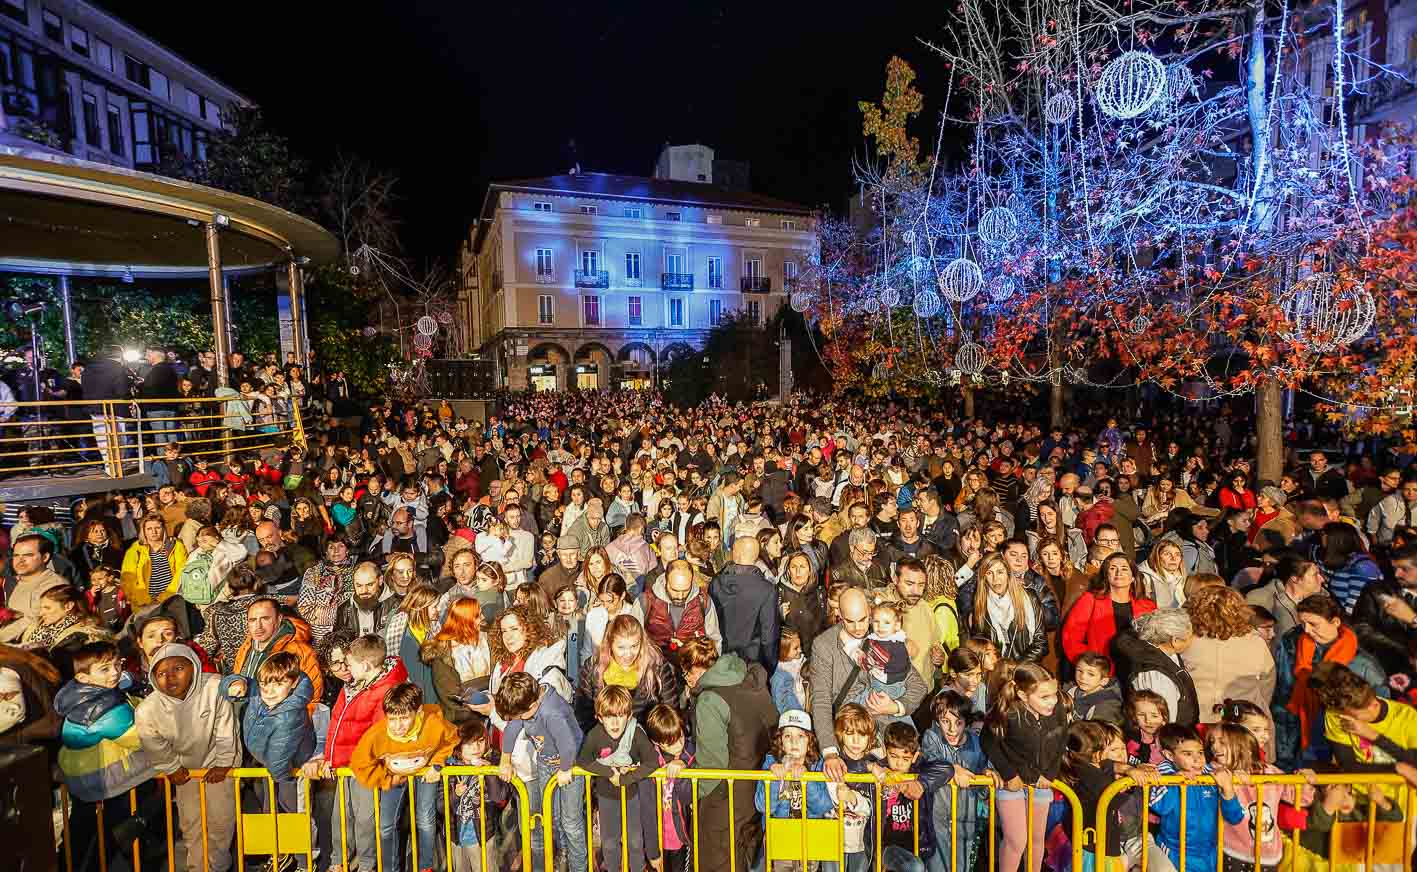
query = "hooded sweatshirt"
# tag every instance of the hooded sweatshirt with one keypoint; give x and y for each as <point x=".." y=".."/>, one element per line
<point x="734" y="717"/>
<point x="198" y="731"/>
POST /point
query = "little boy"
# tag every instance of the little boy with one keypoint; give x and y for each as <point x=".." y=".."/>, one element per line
<point x="188" y="723"/>
<point x="277" y="726"/>
<point x="1095" y="694"/>
<point x="471" y="841"/>
<point x="621" y="753"/>
<point x="411" y="737"/>
<point x="898" y="800"/>
<point x="106" y="599"/>
<point x="101" y="756"/>
<point x="855" y="736"/>
<point x="1185" y="755"/>
<point x="949" y="740"/>
<point x="674" y="752"/>
<point x="550" y="725"/>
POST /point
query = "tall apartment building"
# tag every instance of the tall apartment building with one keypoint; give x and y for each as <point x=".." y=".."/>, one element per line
<point x="588" y="280"/>
<point x="108" y="93"/>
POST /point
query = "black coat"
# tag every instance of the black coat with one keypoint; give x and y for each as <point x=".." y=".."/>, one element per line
<point x="1133" y="657"/>
<point x="104" y="379"/>
<point x="748" y="614"/>
<point x="159" y="384"/>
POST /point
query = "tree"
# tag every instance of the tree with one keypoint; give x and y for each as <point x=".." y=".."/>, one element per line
<point x="247" y="157"/>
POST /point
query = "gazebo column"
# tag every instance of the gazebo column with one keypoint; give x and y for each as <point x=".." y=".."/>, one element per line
<point x="220" y="340"/>
<point x="297" y="314"/>
<point x="67" y="307"/>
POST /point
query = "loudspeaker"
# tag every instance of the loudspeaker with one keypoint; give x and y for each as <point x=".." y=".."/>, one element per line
<point x="26" y="823"/>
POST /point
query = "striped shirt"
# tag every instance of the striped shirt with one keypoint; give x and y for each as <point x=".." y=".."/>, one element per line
<point x="160" y="578"/>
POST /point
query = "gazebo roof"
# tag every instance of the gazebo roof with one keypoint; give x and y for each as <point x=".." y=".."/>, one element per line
<point x="59" y="214"/>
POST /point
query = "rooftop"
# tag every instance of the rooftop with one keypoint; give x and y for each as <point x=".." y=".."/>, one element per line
<point x="651" y="190"/>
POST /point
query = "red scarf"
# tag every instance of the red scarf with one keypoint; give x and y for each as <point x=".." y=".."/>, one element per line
<point x="1301" y="702"/>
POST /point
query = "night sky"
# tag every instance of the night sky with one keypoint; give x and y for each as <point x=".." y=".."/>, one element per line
<point x="452" y="94"/>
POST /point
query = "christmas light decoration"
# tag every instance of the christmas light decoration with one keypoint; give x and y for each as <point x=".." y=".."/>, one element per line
<point x="927" y="303"/>
<point x="998" y="226"/>
<point x="1130" y="85"/>
<point x="962" y="280"/>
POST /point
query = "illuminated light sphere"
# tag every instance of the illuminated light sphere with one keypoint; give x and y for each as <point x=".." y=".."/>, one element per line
<point x="872" y="306"/>
<point x="880" y="371"/>
<point x="371" y="332"/>
<point x="354" y="269"/>
<point x="1003" y="288"/>
<point x="1130" y="85"/>
<point x="421" y="340"/>
<point x="927" y="304"/>
<point x="426" y="326"/>
<point x="998" y="226"/>
<point x="890" y="297"/>
<point x="1139" y="324"/>
<point x="970" y="358"/>
<point x="1179" y="81"/>
<point x="444" y="316"/>
<point x="908" y="236"/>
<point x="801" y="301"/>
<point x="962" y="280"/>
<point x="1324" y="314"/>
<point x="1060" y="108"/>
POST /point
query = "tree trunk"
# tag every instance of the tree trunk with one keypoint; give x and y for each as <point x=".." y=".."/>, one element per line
<point x="1055" y="404"/>
<point x="1269" y="427"/>
<point x="969" y="402"/>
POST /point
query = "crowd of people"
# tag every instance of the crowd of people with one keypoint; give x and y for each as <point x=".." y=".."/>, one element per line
<point x="601" y="583"/>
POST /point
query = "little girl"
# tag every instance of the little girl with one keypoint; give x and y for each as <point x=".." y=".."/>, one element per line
<point x="612" y="598"/>
<point x="966" y="677"/>
<point x="1024" y="739"/>
<point x="1252" y="718"/>
<point x="1147" y="712"/>
<point x="1235" y="748"/>
<point x="1097" y="756"/>
<point x="789" y="691"/>
<point x="106" y="599"/>
<point x="794" y="751"/>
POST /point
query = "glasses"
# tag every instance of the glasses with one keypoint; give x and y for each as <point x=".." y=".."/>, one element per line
<point x="1109" y="541"/>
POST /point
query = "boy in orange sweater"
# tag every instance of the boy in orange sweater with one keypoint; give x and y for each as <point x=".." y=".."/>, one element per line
<point x="411" y="737"/>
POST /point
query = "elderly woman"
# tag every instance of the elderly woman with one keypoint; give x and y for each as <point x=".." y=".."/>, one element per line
<point x="1321" y="636"/>
<point x="1110" y="606"/>
<point x="152" y="565"/>
<point x="1150" y="657"/>
<point x="1271" y="514"/>
<point x="1007" y="613"/>
<point x="1228" y="659"/>
<point x="628" y="659"/>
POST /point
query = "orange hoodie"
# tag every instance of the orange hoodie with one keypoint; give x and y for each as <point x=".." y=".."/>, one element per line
<point x="431" y="743"/>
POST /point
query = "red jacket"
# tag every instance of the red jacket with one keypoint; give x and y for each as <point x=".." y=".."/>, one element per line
<point x="1090" y="625"/>
<point x="203" y="480"/>
<point x="1088" y="522"/>
<point x="352" y="717"/>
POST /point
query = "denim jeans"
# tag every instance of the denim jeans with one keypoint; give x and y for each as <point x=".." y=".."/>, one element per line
<point x="392" y="803"/>
<point x="567" y="812"/>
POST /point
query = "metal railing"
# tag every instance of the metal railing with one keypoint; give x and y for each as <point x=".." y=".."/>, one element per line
<point x="122" y="437"/>
<point x="597" y="278"/>
<point x="676" y="281"/>
<point x="756" y="284"/>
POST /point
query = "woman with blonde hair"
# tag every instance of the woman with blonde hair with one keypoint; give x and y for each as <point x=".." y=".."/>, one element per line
<point x="1163" y="575"/>
<point x="940" y="595"/>
<point x="1228" y="658"/>
<point x="153" y="564"/>
<point x="418" y="605"/>
<point x="627" y="658"/>
<point x="1007" y="613"/>
<point x="973" y="483"/>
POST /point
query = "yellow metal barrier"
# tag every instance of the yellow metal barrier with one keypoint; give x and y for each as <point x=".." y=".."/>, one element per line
<point x="67" y="434"/>
<point x="1388" y="783"/>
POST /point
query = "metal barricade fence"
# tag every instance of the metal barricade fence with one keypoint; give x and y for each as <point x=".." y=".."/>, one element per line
<point x="1403" y="798"/>
<point x="124" y="436"/>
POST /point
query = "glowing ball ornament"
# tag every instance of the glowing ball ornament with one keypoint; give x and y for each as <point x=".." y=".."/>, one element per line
<point x="998" y="226"/>
<point x="908" y="236"/>
<point x="1003" y="288"/>
<point x="421" y="340"/>
<point x="444" y="316"/>
<point x="801" y="301"/>
<point x="1325" y="315"/>
<point x="970" y="358"/>
<point x="371" y="332"/>
<point x="1060" y="108"/>
<point x="890" y="297"/>
<point x="1130" y="85"/>
<point x="426" y="326"/>
<point x="1179" y="82"/>
<point x="962" y="280"/>
<point x="927" y="303"/>
<point x="1138" y="325"/>
<point x="872" y="306"/>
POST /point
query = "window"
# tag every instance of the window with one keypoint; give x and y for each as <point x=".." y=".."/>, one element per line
<point x="545" y="309"/>
<point x="79" y="40"/>
<point x="541" y="206"/>
<point x="636" y="316"/>
<point x="715" y="272"/>
<point x="789" y="272"/>
<point x="753" y="268"/>
<point x="590" y="260"/>
<point x="53" y="26"/>
<point x="211" y="111"/>
<point x="676" y="312"/>
<point x="752" y="222"/>
<point x="15" y="9"/>
<point x="544" y="269"/>
<point x="788" y="224"/>
<point x="143" y="152"/>
<point x="673" y="216"/>
<point x="92" y="134"/>
<point x="590" y="309"/>
<point x="634" y="212"/>
<point x="632" y="265"/>
<point x="160" y="85"/>
<point x="715" y="219"/>
<point x="674" y="263"/>
<point x="103" y="54"/>
<point x="715" y="312"/>
<point x="754" y="311"/>
<point x="115" y="130"/>
<point x="703" y="177"/>
<point x="137" y="72"/>
<point x="590" y="210"/>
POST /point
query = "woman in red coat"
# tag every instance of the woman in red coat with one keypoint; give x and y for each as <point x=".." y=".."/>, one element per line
<point x="1108" y="608"/>
<point x="1237" y="495"/>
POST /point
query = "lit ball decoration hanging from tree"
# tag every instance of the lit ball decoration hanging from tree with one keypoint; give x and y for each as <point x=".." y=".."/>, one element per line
<point x="872" y="306"/>
<point x="426" y="326"/>
<point x="1060" y="108"/>
<point x="444" y="316"/>
<point x="927" y="303"/>
<point x="908" y="237"/>
<point x="371" y="332"/>
<point x="1139" y="324"/>
<point x="1325" y="314"/>
<point x="998" y="226"/>
<point x="1179" y="81"/>
<point x="890" y="297"/>
<point x="422" y="340"/>
<point x="970" y="358"/>
<point x="1130" y="85"/>
<point x="962" y="280"/>
<point x="1003" y="288"/>
<point x="801" y="301"/>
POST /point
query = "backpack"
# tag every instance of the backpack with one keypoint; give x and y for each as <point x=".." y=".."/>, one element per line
<point x="195" y="584"/>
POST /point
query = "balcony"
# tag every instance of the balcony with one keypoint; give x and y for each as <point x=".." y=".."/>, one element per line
<point x="546" y="278"/>
<point x="676" y="281"/>
<point x="496" y="282"/>
<point x="595" y="278"/>
<point x="634" y="282"/>
<point x="756" y="285"/>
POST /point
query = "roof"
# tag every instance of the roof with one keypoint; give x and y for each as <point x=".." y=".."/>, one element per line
<point x="640" y="189"/>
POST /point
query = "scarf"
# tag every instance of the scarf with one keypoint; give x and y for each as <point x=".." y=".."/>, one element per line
<point x="621" y="676"/>
<point x="44" y="636"/>
<point x="621" y="755"/>
<point x="1301" y="701"/>
<point x="412" y="734"/>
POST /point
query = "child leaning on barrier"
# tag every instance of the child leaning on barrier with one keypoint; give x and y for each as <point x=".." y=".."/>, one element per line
<point x="1234" y="748"/>
<point x="855" y="737"/>
<point x="949" y="740"/>
<point x="1205" y="803"/>
<point x="1096" y="757"/>
<point x="674" y="753"/>
<point x="276" y="727"/>
<point x="794" y="751"/>
<point x="476" y="815"/>
<point x="621" y="755"/>
<point x="907" y="807"/>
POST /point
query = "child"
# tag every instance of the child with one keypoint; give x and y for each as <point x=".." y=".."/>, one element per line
<point x="1024" y="739"/>
<point x="1096" y="756"/>
<point x="788" y="690"/>
<point x="674" y="752"/>
<point x="1339" y="803"/>
<point x="550" y="725"/>
<point x="472" y="811"/>
<point x="1367" y="733"/>
<point x="101" y="756"/>
<point x="855" y="733"/>
<point x="196" y="580"/>
<point x="277" y="727"/>
<point x="899" y="800"/>
<point x="949" y="740"/>
<point x="1185" y="755"/>
<point x="621" y="753"/>
<point x="966" y="674"/>
<point x="189" y="723"/>
<point x="106" y="599"/>
<point x="1095" y="694"/>
<point x="411" y="736"/>
<point x="1234" y="748"/>
<point x="1147" y="712"/>
<point x="885" y="656"/>
<point x="794" y="751"/>
<point x="1252" y="718"/>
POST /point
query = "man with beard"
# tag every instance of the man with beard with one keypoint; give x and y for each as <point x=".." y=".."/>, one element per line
<point x="282" y="575"/>
<point x="325" y="586"/>
<point x="907" y="541"/>
<point x="368" y="609"/>
<point x="917" y="619"/>
<point x="677" y="608"/>
<point x="403" y="535"/>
